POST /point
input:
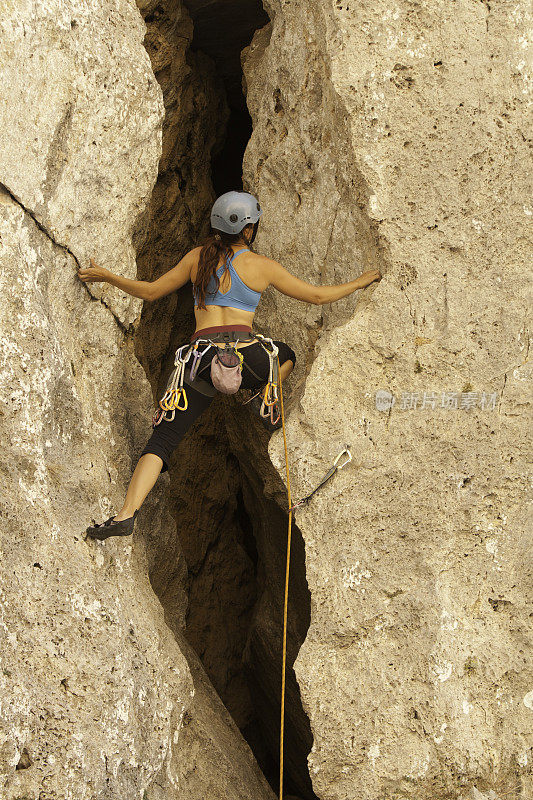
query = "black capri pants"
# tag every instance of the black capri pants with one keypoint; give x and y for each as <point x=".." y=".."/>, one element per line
<point x="167" y="435"/>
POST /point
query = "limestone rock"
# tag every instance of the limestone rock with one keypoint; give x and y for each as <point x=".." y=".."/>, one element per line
<point x="394" y="138"/>
<point x="81" y="128"/>
<point x="388" y="137"/>
<point x="97" y="695"/>
<point x="92" y="683"/>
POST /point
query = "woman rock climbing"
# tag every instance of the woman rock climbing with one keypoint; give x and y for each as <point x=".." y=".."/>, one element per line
<point x="228" y="280"/>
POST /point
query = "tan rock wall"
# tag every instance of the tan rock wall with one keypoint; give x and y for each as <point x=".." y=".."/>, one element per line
<point x="97" y="697"/>
<point x="389" y="137"/>
<point x="394" y="137"/>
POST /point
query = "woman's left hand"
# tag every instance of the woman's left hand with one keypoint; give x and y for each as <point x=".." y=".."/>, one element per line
<point x="93" y="273"/>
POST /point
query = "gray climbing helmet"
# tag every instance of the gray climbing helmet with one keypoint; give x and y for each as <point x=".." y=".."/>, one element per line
<point x="233" y="210"/>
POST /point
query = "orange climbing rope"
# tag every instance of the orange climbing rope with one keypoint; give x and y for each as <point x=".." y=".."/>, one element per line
<point x="342" y="459"/>
<point x="285" y="605"/>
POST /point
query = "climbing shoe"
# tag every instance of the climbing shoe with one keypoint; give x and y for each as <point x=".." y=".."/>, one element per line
<point x="103" y="530"/>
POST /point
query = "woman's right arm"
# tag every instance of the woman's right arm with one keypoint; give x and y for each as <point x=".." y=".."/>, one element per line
<point x="286" y="283"/>
<point x="172" y="280"/>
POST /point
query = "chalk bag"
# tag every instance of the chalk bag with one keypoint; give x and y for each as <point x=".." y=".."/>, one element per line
<point x="226" y="370"/>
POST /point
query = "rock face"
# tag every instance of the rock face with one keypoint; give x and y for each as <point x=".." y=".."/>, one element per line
<point x="385" y="136"/>
<point x="98" y="697"/>
<point x="393" y="137"/>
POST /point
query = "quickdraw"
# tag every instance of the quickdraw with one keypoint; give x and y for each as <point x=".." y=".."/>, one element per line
<point x="270" y="394"/>
<point x="175" y="397"/>
<point x="342" y="459"/>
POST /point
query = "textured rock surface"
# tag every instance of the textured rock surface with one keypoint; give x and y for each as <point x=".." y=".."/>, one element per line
<point x="92" y="683"/>
<point x="97" y="696"/>
<point x="81" y="114"/>
<point x="390" y="137"/>
<point x="394" y="137"/>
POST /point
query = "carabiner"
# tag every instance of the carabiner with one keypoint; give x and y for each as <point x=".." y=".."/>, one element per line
<point x="272" y="408"/>
<point x="164" y="402"/>
<point x="185" y="401"/>
<point x="270" y="395"/>
<point x="157" y="417"/>
<point x="170" y="399"/>
<point x="178" y="357"/>
<point x="348" y="458"/>
<point x="197" y="357"/>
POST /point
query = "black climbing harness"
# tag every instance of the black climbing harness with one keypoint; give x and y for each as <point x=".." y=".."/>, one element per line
<point x="188" y="370"/>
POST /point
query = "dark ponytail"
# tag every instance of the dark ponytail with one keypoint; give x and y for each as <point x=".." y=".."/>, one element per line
<point x="216" y="244"/>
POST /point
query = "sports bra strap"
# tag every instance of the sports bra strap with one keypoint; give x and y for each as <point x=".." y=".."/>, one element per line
<point x="238" y="253"/>
<point x="230" y="260"/>
<point x="239" y="295"/>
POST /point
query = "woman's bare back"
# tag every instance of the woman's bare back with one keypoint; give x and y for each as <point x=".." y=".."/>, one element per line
<point x="248" y="268"/>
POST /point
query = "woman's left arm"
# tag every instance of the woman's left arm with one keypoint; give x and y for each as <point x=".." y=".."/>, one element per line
<point x="174" y="279"/>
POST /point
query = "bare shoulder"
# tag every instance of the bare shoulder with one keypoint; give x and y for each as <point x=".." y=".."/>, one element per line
<point x="192" y="257"/>
<point x="261" y="269"/>
<point x="194" y="254"/>
<point x="264" y="263"/>
<point x="263" y="259"/>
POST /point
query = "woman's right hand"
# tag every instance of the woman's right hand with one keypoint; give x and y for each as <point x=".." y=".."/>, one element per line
<point x="93" y="273"/>
<point x="370" y="276"/>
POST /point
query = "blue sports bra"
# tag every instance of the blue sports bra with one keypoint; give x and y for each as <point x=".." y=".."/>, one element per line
<point x="239" y="294"/>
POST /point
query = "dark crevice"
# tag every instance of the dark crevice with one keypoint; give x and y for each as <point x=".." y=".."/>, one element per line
<point x="224" y="174"/>
<point x="244" y="522"/>
<point x="226" y="496"/>
<point x="262" y="658"/>
<point x="221" y="31"/>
